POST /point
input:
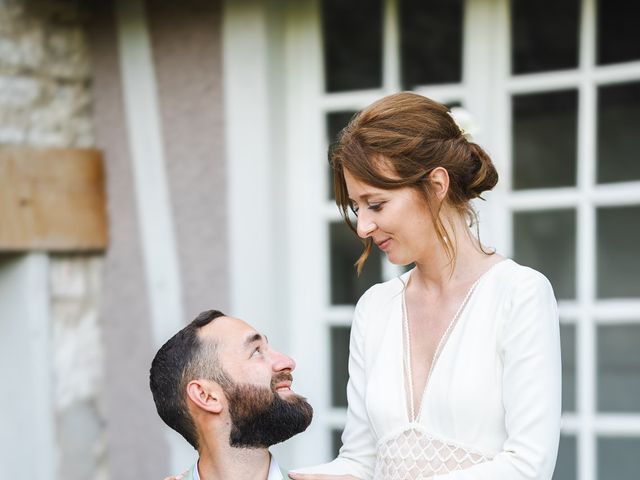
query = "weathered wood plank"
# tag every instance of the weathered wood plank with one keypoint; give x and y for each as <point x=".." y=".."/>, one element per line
<point x="52" y="199"/>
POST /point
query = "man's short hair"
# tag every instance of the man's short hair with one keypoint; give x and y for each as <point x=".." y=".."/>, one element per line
<point x="183" y="358"/>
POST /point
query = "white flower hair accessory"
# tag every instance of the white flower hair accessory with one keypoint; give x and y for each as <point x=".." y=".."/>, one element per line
<point x="465" y="122"/>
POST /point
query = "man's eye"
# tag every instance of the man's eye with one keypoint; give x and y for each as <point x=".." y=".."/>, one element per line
<point x="256" y="351"/>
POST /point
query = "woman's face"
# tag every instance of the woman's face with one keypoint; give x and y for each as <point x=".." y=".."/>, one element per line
<point x="398" y="221"/>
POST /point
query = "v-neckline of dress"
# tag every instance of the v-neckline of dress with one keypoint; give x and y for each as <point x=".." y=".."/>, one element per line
<point x="412" y="415"/>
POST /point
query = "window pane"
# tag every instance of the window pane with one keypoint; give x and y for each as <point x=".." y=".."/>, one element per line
<point x="346" y="286"/>
<point x="619" y="368"/>
<point x="618" y="247"/>
<point x="618" y="458"/>
<point x="544" y="35"/>
<point x="339" y="365"/>
<point x="336" y="121"/>
<point x="618" y="32"/>
<point x="546" y="241"/>
<point x="336" y="441"/>
<point x="431" y="41"/>
<point x="618" y="127"/>
<point x="545" y="127"/>
<point x="566" y="464"/>
<point x="568" y="341"/>
<point x="352" y="44"/>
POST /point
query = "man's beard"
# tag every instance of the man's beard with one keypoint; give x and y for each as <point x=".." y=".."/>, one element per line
<point x="261" y="418"/>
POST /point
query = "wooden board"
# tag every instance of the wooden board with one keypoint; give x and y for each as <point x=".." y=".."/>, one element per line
<point x="52" y="199"/>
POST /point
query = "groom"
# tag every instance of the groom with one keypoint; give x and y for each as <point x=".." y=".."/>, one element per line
<point x="220" y="385"/>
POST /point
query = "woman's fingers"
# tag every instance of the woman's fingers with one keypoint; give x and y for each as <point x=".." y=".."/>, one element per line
<point x="313" y="476"/>
<point x="177" y="477"/>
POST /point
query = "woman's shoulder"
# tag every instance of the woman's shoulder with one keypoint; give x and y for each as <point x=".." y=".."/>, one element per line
<point x="516" y="280"/>
<point x="524" y="273"/>
<point x="384" y="292"/>
<point x="377" y="306"/>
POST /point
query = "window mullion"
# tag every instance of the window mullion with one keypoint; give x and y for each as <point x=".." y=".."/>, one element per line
<point x="391" y="47"/>
<point x="586" y="238"/>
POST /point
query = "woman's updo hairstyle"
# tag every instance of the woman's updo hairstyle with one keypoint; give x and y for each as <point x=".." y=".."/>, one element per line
<point x="396" y="142"/>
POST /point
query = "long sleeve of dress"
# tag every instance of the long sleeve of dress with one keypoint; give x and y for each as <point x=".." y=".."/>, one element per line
<point x="530" y="350"/>
<point x="358" y="453"/>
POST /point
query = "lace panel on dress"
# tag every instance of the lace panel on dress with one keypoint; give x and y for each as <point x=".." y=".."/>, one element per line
<point x="413" y="455"/>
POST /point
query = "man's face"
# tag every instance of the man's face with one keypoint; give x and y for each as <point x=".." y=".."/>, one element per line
<point x="264" y="409"/>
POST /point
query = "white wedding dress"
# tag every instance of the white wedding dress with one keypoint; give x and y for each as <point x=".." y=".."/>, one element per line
<point x="491" y="405"/>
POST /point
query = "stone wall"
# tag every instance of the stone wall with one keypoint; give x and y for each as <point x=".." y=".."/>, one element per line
<point x="45" y="97"/>
<point x="45" y="101"/>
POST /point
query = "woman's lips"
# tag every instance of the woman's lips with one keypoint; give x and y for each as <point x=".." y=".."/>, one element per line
<point x="383" y="244"/>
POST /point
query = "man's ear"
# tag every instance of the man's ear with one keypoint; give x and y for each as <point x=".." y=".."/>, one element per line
<point x="439" y="180"/>
<point x="206" y="395"/>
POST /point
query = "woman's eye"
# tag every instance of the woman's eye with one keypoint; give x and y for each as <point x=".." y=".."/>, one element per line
<point x="375" y="206"/>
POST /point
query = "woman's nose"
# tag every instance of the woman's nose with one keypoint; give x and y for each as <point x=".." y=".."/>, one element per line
<point x="365" y="226"/>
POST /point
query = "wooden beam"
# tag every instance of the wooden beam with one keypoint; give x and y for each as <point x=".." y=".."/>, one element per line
<point x="52" y="199"/>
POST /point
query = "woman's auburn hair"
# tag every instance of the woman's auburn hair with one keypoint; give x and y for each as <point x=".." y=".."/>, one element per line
<point x="396" y="142"/>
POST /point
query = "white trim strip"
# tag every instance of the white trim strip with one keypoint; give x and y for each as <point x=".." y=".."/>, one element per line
<point x="36" y="271"/>
<point x="159" y="252"/>
<point x="569" y="424"/>
<point x="619" y="73"/>
<point x="346" y="101"/>
<point x="151" y="185"/>
<point x="616" y="311"/>
<point x="585" y="281"/>
<point x="339" y="315"/>
<point x="27" y="415"/>
<point x="627" y="193"/>
<point x="249" y="163"/>
<point x="571" y="79"/>
<point x="607" y="312"/>
<point x="455" y="92"/>
<point x="330" y="211"/>
<point x="308" y="232"/>
<point x="607" y="425"/>
<point x="391" y="61"/>
<point x="617" y="425"/>
<point x="569" y="311"/>
<point x="336" y="418"/>
<point x="545" y="82"/>
<point x="604" y="195"/>
<point x="543" y="199"/>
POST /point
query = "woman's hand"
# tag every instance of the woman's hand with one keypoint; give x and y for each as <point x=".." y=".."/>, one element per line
<point x="311" y="476"/>
<point x="178" y="477"/>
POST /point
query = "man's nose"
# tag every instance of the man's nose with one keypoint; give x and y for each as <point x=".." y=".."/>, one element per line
<point x="365" y="225"/>
<point x="282" y="362"/>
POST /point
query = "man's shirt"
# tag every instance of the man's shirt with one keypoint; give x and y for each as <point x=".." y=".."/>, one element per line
<point x="274" y="471"/>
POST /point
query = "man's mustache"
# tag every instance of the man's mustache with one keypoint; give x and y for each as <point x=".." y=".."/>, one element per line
<point x="280" y="377"/>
